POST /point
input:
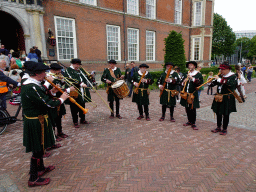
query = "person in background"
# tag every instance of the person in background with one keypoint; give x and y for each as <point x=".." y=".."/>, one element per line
<point x="201" y="88"/>
<point x="181" y="78"/>
<point x="15" y="60"/>
<point x="126" y="75"/>
<point x="134" y="69"/>
<point x="32" y="56"/>
<point x="210" y="75"/>
<point x="38" y="53"/>
<point x="249" y="73"/>
<point x="3" y="50"/>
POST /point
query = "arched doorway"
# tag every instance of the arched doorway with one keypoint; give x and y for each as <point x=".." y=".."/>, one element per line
<point x="11" y="34"/>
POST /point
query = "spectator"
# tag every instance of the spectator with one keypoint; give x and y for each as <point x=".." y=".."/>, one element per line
<point x="38" y="53"/>
<point x="3" y="50"/>
<point x="249" y="73"/>
<point x="126" y="75"/>
<point x="7" y="60"/>
<point x="16" y="68"/>
<point x="243" y="70"/>
<point x="209" y="87"/>
<point x="15" y="60"/>
<point x="133" y="70"/>
<point x="32" y="56"/>
<point x="181" y="78"/>
<point x="201" y="88"/>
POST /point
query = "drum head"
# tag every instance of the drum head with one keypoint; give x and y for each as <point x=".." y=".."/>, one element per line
<point x="117" y="84"/>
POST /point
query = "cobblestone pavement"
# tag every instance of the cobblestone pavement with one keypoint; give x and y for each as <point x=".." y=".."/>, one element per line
<point x="131" y="155"/>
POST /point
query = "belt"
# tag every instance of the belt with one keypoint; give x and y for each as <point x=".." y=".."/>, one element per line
<point x="142" y="89"/>
<point x="169" y="94"/>
<point x="41" y="119"/>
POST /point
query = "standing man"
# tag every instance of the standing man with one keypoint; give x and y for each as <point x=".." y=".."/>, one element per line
<point x="193" y="80"/>
<point x="134" y="70"/>
<point x="38" y="53"/>
<point x="38" y="133"/>
<point x="141" y="96"/>
<point x="168" y="97"/>
<point x="249" y="72"/>
<point x="126" y="76"/>
<point x="83" y="95"/>
<point x="4" y="83"/>
<point x="224" y="102"/>
<point x="110" y="75"/>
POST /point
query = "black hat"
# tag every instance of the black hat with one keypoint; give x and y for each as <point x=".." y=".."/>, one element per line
<point x="112" y="61"/>
<point x="28" y="65"/>
<point x="38" y="67"/>
<point x="76" y="61"/>
<point x="144" y="65"/>
<point x="192" y="62"/>
<point x="169" y="63"/>
<point x="55" y="66"/>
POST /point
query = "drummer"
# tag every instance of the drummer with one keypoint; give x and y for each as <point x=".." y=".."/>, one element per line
<point x="110" y="75"/>
<point x="141" y="91"/>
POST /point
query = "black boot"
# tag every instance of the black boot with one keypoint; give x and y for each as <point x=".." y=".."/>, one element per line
<point x="33" y="169"/>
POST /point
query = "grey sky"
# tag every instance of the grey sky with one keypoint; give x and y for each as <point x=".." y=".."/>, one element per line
<point x="239" y="14"/>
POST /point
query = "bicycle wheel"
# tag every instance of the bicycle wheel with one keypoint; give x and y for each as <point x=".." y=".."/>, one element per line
<point x="3" y="124"/>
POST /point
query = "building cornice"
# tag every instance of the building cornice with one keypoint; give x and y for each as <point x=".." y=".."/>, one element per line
<point x="130" y="15"/>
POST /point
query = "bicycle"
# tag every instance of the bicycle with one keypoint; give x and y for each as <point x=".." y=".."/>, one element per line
<point x="6" y="119"/>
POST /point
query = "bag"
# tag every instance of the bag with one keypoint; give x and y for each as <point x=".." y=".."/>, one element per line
<point x="218" y="98"/>
<point x="174" y="93"/>
<point x="191" y="98"/>
<point x="184" y="95"/>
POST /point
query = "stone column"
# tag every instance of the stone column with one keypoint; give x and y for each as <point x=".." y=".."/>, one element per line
<point x="43" y="39"/>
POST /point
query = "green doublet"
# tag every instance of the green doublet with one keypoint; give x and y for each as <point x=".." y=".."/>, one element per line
<point x="142" y="98"/>
<point x="106" y="75"/>
<point x="191" y="88"/>
<point x="228" y="105"/>
<point x="169" y="86"/>
<point x="80" y="77"/>
<point x="35" y="102"/>
<point x="60" y="110"/>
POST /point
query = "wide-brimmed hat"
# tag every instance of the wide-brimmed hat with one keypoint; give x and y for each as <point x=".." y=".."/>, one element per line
<point x="191" y="62"/>
<point x="76" y="61"/>
<point x="225" y="65"/>
<point x="55" y="66"/>
<point x="112" y="61"/>
<point x="29" y="65"/>
<point x="144" y="65"/>
<point x="169" y="63"/>
<point x="37" y="68"/>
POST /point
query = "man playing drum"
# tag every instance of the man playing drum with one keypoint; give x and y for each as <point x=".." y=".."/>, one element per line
<point x="111" y="75"/>
<point x="141" y="80"/>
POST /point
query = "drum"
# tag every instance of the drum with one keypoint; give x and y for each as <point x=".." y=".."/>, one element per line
<point x="121" y="89"/>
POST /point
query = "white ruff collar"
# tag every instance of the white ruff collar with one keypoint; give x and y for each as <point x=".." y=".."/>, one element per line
<point x="25" y="76"/>
<point x="32" y="80"/>
<point x="142" y="73"/>
<point x="194" y="73"/>
<point x="172" y="71"/>
<point x="229" y="74"/>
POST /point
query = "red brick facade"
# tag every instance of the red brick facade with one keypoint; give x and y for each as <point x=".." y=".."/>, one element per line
<point x="91" y="21"/>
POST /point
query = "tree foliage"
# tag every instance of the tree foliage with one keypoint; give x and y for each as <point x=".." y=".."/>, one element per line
<point x="252" y="50"/>
<point x="223" y="40"/>
<point x="243" y="43"/>
<point x="174" y="50"/>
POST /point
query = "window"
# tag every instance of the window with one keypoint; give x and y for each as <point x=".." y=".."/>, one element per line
<point x="196" y="48"/>
<point x="150" y="45"/>
<point x="113" y="42"/>
<point x="66" y="38"/>
<point x="198" y="13"/>
<point x="178" y="11"/>
<point x="90" y="2"/>
<point x="133" y="44"/>
<point x="151" y="9"/>
<point x="133" y="7"/>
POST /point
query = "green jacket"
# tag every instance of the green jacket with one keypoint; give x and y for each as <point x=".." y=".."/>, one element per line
<point x="191" y="88"/>
<point x="106" y="75"/>
<point x="166" y="98"/>
<point x="36" y="102"/>
<point x="142" y="98"/>
<point x="80" y="78"/>
<point x="228" y="105"/>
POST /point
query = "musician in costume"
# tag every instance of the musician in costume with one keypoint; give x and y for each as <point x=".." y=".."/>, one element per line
<point x="83" y="95"/>
<point x="109" y="76"/>
<point x="189" y="98"/>
<point x="168" y="90"/>
<point x="224" y="102"/>
<point x="57" y="113"/>
<point x="38" y="133"/>
<point x="141" y="91"/>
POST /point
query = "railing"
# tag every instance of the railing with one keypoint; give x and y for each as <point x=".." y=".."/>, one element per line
<point x="26" y="2"/>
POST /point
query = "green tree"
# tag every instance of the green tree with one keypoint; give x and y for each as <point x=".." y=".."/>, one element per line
<point x="243" y="44"/>
<point x="174" y="50"/>
<point x="252" y="51"/>
<point x="223" y="39"/>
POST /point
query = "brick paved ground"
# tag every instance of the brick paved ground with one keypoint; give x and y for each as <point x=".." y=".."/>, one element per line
<point x="131" y="155"/>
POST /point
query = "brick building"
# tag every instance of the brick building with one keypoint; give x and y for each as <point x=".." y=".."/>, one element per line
<point x="125" y="30"/>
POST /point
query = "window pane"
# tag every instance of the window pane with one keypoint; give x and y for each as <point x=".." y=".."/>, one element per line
<point x="196" y="48"/>
<point x="132" y="6"/>
<point x="150" y="45"/>
<point x="178" y="11"/>
<point x="133" y="44"/>
<point x="90" y="2"/>
<point x="113" y="42"/>
<point x="150" y="9"/>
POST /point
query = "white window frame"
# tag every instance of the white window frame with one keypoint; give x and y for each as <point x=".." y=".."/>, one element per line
<point x="119" y="42"/>
<point x="152" y="14"/>
<point x="178" y="11"/>
<point x="195" y="13"/>
<point x="89" y="2"/>
<point x="138" y="44"/>
<point x="193" y="49"/>
<point x="74" y="36"/>
<point x="154" y="45"/>
<point x="135" y="11"/>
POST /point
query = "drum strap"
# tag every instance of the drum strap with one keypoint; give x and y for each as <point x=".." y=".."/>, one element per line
<point x="112" y="73"/>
